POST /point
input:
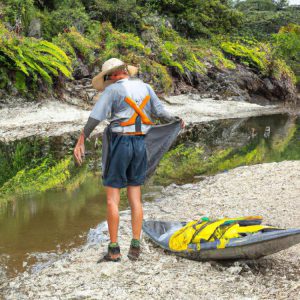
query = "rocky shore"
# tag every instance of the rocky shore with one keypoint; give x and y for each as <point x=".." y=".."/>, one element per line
<point x="52" y="118"/>
<point x="271" y="190"/>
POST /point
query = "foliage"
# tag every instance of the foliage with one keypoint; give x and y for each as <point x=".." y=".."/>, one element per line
<point x="249" y="6"/>
<point x="154" y="34"/>
<point x="41" y="178"/>
<point x="158" y="75"/>
<point x="260" y="56"/>
<point x="18" y="155"/>
<point x="281" y="71"/>
<point x="122" y="14"/>
<point x="262" y="23"/>
<point x="11" y="164"/>
<point x="68" y="14"/>
<point x="257" y="56"/>
<point x="198" y="17"/>
<point x="42" y="159"/>
<point x="112" y="40"/>
<point x="184" y="162"/>
<point x="19" y="13"/>
<point x="76" y="46"/>
<point x="287" y="45"/>
<point x="32" y="58"/>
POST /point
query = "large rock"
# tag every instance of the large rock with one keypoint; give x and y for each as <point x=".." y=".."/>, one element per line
<point x="240" y="84"/>
<point x="80" y="70"/>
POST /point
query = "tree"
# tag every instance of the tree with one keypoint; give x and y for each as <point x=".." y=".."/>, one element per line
<point x="198" y="17"/>
<point x="280" y="4"/>
<point x="287" y="46"/>
<point x="256" y="5"/>
<point x="122" y="14"/>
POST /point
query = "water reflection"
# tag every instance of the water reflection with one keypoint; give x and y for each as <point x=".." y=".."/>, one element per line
<point x="50" y="220"/>
<point x="56" y="220"/>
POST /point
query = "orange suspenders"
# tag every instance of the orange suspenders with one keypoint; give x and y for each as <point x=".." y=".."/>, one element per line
<point x="138" y="112"/>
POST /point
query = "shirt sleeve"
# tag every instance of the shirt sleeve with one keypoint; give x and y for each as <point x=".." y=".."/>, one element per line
<point x="101" y="111"/>
<point x="157" y="108"/>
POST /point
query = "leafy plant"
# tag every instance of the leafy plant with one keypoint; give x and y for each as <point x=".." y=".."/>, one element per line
<point x="287" y="45"/>
<point x="257" y="57"/>
<point x="32" y="58"/>
<point x="196" y="18"/>
<point x="68" y="15"/>
<point x="41" y="178"/>
<point x="19" y="13"/>
<point x="76" y="45"/>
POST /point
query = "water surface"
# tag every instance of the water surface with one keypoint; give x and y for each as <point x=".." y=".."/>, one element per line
<point x="57" y="220"/>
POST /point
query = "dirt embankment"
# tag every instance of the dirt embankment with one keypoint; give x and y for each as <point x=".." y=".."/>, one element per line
<point x="271" y="190"/>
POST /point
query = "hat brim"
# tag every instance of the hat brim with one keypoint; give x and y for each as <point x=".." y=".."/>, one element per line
<point x="98" y="82"/>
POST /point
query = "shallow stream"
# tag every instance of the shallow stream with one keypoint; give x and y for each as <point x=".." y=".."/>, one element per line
<point x="39" y="226"/>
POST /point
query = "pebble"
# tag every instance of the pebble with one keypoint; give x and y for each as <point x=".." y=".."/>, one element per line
<point x="242" y="191"/>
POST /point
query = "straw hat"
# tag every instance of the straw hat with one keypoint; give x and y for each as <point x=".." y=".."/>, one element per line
<point x="107" y="68"/>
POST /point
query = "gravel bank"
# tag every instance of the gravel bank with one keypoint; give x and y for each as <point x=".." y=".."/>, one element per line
<point x="271" y="190"/>
<point x="53" y="118"/>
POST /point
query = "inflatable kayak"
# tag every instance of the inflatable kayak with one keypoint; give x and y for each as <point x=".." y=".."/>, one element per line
<point x="224" y="239"/>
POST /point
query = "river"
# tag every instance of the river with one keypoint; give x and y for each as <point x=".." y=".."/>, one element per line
<point x="38" y="227"/>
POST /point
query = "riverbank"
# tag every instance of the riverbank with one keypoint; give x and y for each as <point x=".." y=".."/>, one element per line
<point x="271" y="190"/>
<point x="52" y="118"/>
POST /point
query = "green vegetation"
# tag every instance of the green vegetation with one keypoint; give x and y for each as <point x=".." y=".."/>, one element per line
<point x="41" y="178"/>
<point x="256" y="56"/>
<point x="287" y="46"/>
<point x="36" y="165"/>
<point x="17" y="156"/>
<point x="184" y="162"/>
<point x="163" y="37"/>
<point x="264" y="17"/>
<point x="260" y="57"/>
<point x="76" y="46"/>
<point x="199" y="17"/>
<point x="27" y="60"/>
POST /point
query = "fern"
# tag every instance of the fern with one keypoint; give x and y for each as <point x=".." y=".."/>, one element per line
<point x="32" y="57"/>
<point x="20" y="81"/>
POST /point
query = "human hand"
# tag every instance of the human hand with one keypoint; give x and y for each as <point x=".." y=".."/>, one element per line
<point x="182" y="124"/>
<point x="79" y="150"/>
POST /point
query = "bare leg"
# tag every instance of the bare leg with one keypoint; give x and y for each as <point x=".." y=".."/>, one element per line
<point x="135" y="200"/>
<point x="113" y="200"/>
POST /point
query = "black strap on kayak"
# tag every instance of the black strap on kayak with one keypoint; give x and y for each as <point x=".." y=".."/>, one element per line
<point x="199" y="230"/>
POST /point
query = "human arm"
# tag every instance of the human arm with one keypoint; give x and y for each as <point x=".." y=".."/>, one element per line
<point x="158" y="110"/>
<point x="100" y="112"/>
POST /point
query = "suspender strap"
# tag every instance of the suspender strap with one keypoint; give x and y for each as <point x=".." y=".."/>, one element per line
<point x="138" y="112"/>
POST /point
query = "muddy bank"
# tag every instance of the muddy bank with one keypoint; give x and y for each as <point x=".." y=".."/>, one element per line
<point x="53" y="118"/>
<point x="271" y="190"/>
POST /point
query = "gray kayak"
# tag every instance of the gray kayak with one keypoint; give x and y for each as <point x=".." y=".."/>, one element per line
<point x="252" y="246"/>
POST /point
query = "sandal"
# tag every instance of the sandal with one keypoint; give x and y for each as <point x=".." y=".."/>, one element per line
<point x="112" y="251"/>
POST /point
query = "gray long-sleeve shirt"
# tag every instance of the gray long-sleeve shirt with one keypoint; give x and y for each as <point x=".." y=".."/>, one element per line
<point x="111" y="106"/>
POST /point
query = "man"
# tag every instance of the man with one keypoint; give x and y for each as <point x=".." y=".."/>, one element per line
<point x="128" y="104"/>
